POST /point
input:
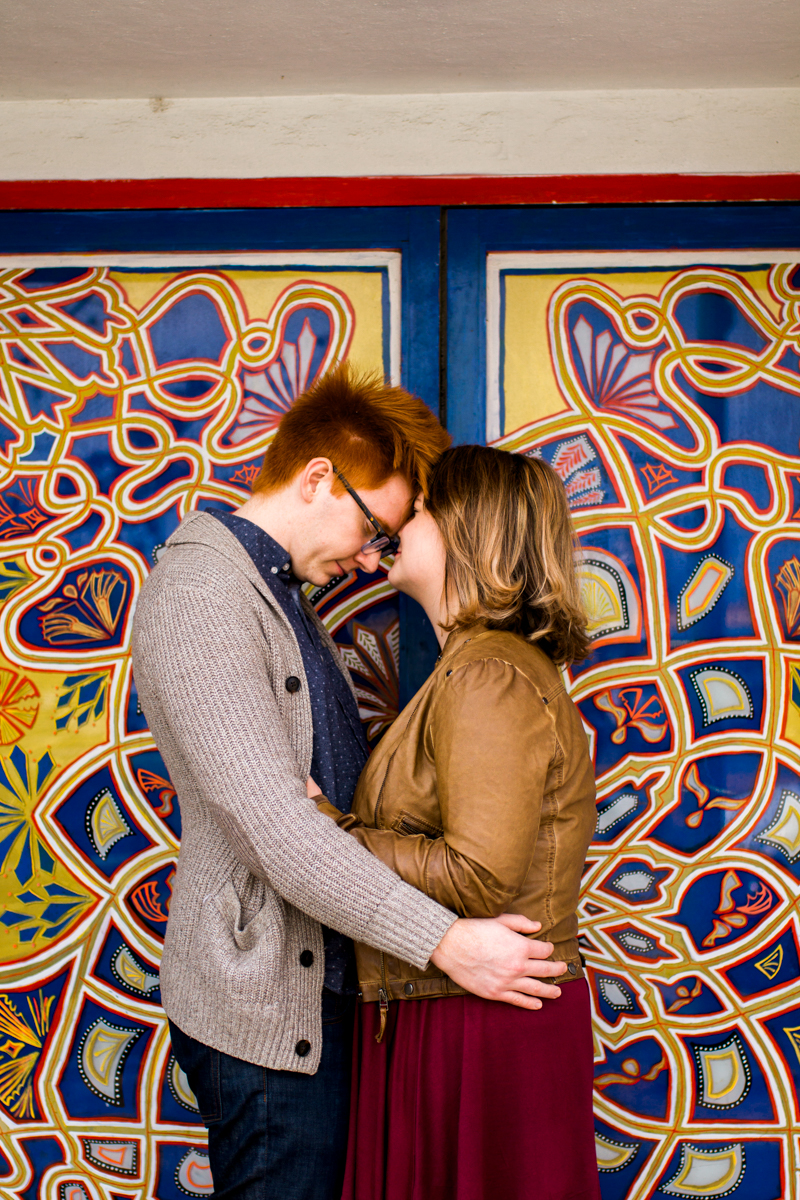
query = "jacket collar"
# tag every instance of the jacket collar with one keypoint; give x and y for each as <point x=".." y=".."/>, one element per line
<point x="460" y="637"/>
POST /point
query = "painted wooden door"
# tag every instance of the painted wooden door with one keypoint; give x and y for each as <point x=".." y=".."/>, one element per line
<point x="145" y="361"/>
<point x="651" y="356"/>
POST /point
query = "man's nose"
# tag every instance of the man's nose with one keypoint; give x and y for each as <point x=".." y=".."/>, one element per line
<point x="368" y="560"/>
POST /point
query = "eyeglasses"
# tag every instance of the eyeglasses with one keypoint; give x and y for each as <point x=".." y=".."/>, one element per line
<point x="382" y="540"/>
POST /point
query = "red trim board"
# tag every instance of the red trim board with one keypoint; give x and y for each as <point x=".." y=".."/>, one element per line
<point x="339" y="191"/>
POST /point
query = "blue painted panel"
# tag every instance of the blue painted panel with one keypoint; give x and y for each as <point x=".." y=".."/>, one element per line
<point x="472" y="233"/>
<point x="677" y="442"/>
<point x="414" y="231"/>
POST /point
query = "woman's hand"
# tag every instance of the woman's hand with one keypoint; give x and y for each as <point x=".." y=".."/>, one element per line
<point x="311" y="789"/>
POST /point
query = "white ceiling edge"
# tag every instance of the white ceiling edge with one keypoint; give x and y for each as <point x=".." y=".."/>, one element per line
<point x="188" y="48"/>
<point x="485" y="133"/>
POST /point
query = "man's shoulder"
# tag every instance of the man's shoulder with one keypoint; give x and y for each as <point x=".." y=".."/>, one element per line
<point x="194" y="597"/>
<point x="202" y="558"/>
<point x="196" y="567"/>
<point x="202" y="553"/>
<point x="201" y="532"/>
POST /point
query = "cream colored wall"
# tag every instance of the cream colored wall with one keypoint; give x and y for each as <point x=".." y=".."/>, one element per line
<point x="494" y="133"/>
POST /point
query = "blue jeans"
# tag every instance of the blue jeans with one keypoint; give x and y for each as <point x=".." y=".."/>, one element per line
<point x="275" y="1135"/>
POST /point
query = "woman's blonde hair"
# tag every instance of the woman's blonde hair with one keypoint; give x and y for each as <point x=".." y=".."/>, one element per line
<point x="510" y="547"/>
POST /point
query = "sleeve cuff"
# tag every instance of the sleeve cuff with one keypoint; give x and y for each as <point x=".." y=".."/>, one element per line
<point x="409" y="925"/>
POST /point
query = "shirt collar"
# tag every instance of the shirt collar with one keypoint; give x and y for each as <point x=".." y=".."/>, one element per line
<point x="269" y="556"/>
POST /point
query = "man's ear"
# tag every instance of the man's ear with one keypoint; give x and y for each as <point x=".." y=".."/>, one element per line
<point x="315" y="473"/>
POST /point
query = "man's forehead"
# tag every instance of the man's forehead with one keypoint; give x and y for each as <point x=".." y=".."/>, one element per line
<point x="390" y="503"/>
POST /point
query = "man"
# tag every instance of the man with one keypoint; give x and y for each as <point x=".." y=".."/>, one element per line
<point x="246" y="697"/>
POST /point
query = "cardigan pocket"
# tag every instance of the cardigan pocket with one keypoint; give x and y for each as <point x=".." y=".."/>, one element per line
<point x="242" y="959"/>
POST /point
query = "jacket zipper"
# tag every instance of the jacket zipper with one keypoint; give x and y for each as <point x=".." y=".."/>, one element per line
<point x="383" y="992"/>
<point x="379" y="803"/>
<point x="383" y="1001"/>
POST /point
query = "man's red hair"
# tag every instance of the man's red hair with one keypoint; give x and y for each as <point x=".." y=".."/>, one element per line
<point x="367" y="428"/>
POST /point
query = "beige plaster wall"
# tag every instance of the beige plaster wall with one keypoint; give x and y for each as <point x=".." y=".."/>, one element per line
<point x="497" y="133"/>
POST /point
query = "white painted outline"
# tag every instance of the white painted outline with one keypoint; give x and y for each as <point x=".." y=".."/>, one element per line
<point x="580" y="260"/>
<point x="220" y="261"/>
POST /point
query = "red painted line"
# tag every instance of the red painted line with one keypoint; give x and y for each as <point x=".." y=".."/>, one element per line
<point x="337" y="192"/>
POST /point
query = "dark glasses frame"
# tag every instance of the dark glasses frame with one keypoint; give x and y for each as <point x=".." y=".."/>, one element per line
<point x="382" y="540"/>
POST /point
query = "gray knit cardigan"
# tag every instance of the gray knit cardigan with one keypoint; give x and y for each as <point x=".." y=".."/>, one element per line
<point x="260" y="867"/>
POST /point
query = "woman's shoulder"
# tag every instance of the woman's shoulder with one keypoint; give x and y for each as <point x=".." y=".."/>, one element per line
<point x="516" y="652"/>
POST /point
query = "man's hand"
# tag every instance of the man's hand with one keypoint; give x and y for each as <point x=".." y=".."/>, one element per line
<point x="312" y="789"/>
<point x="489" y="958"/>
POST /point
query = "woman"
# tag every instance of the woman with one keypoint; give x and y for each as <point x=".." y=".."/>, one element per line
<point x="481" y="794"/>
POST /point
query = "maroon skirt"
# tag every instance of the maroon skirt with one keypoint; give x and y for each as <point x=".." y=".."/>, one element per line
<point x="470" y="1099"/>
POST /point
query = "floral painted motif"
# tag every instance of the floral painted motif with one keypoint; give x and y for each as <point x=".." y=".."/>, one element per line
<point x="374" y="662"/>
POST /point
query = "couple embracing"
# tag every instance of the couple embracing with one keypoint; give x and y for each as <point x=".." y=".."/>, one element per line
<point x="355" y="970"/>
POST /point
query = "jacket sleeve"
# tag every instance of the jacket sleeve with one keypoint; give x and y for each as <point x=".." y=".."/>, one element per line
<point x="493" y="740"/>
<point x="199" y="661"/>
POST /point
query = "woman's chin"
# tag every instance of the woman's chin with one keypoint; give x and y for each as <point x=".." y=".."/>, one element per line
<point x="395" y="576"/>
<point x="399" y="580"/>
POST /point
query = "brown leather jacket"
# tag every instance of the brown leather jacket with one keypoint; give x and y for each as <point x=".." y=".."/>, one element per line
<point x="481" y="794"/>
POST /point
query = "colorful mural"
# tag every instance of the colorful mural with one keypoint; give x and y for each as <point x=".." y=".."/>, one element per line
<point x="667" y="397"/>
<point x="131" y="391"/>
<point x="136" y="388"/>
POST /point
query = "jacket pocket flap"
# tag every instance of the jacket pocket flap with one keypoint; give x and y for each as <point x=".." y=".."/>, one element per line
<point x="406" y="822"/>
